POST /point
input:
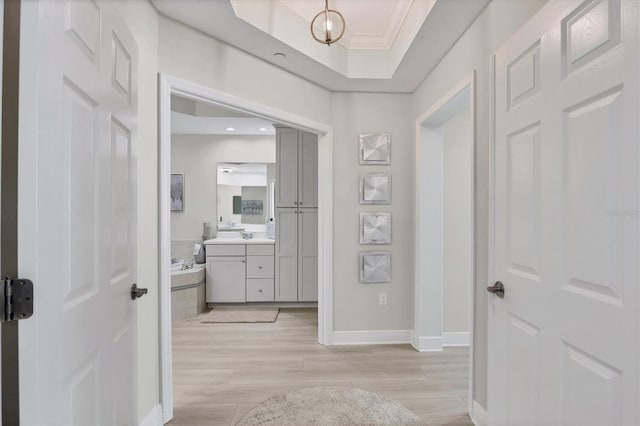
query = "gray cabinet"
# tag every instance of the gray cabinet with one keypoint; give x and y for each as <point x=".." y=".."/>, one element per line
<point x="308" y="255"/>
<point x="238" y="273"/>
<point x="296" y="168"/>
<point x="226" y="279"/>
<point x="286" y="255"/>
<point x="297" y="255"/>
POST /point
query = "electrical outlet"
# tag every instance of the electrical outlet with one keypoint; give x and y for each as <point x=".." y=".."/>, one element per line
<point x="382" y="299"/>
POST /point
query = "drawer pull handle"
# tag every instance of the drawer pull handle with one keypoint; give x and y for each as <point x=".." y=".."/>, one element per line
<point x="259" y="267"/>
<point x="260" y="291"/>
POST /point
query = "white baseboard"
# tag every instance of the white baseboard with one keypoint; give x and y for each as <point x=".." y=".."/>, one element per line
<point x="154" y="418"/>
<point x="371" y="337"/>
<point x="478" y="414"/>
<point x="427" y="343"/>
<point x="455" y="339"/>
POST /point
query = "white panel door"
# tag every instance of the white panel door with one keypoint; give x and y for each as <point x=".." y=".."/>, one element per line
<point x="77" y="232"/>
<point x="563" y="345"/>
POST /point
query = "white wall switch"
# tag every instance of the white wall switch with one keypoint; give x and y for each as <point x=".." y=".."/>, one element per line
<point x="382" y="299"/>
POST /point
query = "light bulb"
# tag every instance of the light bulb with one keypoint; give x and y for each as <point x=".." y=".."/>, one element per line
<point x="327" y="25"/>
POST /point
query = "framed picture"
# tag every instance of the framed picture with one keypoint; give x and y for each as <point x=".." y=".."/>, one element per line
<point x="375" y="267"/>
<point x="375" y="188"/>
<point x="252" y="207"/>
<point x="375" y="228"/>
<point x="375" y="148"/>
<point x="177" y="192"/>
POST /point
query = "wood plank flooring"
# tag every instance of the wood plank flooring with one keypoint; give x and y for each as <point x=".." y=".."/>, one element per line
<point x="221" y="371"/>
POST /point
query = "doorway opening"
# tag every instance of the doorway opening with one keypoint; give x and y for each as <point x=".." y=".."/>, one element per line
<point x="445" y="223"/>
<point x="189" y="92"/>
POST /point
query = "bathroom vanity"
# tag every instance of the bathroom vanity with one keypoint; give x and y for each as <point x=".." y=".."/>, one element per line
<point x="240" y="270"/>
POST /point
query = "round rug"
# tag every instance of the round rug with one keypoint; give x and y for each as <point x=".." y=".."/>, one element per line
<point x="329" y="405"/>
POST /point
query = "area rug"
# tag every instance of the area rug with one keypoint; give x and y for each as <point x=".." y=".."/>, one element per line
<point x="329" y="405"/>
<point x="240" y="314"/>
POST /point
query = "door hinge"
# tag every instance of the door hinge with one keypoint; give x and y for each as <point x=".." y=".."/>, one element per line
<point x="18" y="299"/>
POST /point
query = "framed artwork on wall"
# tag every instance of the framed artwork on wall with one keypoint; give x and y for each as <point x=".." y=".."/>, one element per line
<point x="375" y="267"/>
<point x="375" y="228"/>
<point x="177" y="192"/>
<point x="375" y="148"/>
<point x="375" y="188"/>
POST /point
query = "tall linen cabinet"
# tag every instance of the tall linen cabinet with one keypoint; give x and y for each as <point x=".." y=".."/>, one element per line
<point x="296" y="271"/>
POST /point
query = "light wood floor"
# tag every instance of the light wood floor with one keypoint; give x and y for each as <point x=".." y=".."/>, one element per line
<point x="221" y="371"/>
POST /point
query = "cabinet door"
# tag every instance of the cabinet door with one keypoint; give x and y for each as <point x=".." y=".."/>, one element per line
<point x="226" y="279"/>
<point x="308" y="255"/>
<point x="308" y="170"/>
<point x="286" y="255"/>
<point x="286" y="167"/>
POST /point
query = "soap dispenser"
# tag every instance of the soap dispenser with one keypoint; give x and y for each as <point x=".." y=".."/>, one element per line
<point x="271" y="229"/>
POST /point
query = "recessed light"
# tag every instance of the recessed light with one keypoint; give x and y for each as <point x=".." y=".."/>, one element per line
<point x="263" y="129"/>
<point x="226" y="170"/>
<point x="230" y="129"/>
<point x="279" y="55"/>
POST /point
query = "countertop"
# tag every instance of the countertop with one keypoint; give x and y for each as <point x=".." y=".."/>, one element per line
<point x="255" y="240"/>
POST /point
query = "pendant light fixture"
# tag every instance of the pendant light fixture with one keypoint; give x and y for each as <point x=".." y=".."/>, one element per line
<point x="328" y="26"/>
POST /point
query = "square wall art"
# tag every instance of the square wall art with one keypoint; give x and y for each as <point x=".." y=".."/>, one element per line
<point x="375" y="267"/>
<point x="375" y="188"/>
<point x="375" y="228"/>
<point x="375" y="148"/>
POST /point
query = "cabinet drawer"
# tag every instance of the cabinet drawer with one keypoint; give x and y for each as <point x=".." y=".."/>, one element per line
<point x="260" y="249"/>
<point x="225" y="249"/>
<point x="259" y="290"/>
<point x="260" y="267"/>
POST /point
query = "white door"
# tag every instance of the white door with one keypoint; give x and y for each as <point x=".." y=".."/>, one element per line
<point x="563" y="345"/>
<point x="77" y="232"/>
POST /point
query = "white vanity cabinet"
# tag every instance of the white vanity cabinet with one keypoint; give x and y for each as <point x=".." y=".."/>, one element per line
<point x="239" y="273"/>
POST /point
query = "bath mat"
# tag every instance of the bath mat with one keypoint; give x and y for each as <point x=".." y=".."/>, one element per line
<point x="329" y="405"/>
<point x="240" y="314"/>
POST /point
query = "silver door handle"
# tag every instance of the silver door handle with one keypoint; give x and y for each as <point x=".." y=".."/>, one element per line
<point x="497" y="289"/>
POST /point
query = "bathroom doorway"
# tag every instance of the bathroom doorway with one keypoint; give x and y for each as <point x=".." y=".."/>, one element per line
<point x="445" y="223"/>
<point x="175" y="91"/>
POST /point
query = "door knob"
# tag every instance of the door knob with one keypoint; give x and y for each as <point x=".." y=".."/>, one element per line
<point x="497" y="289"/>
<point x="137" y="292"/>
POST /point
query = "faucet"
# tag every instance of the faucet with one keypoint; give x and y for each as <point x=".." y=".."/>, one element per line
<point x="187" y="264"/>
<point x="246" y="235"/>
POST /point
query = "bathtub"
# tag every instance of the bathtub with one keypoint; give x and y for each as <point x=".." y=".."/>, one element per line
<point x="187" y="292"/>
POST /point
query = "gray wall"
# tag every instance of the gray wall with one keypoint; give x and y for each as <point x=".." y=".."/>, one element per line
<point x="356" y="304"/>
<point x="473" y="50"/>
<point x="456" y="223"/>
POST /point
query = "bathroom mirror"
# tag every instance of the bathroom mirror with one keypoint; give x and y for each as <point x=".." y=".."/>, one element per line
<point x="245" y="195"/>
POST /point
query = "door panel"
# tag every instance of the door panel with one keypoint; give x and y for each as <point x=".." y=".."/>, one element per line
<point x="286" y="255"/>
<point x="80" y="183"/>
<point x="287" y="167"/>
<point x="308" y="255"/>
<point x="308" y="170"/>
<point x="564" y="340"/>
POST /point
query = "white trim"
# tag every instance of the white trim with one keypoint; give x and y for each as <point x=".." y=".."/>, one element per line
<point x="478" y="414"/>
<point x="168" y="85"/>
<point x="427" y="343"/>
<point x="455" y="338"/>
<point x="154" y="418"/>
<point x="371" y="337"/>
<point x="427" y="332"/>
